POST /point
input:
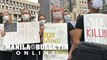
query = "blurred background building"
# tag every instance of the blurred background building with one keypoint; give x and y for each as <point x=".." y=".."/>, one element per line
<point x="79" y="7"/>
<point x="76" y="7"/>
<point x="104" y="8"/>
<point x="38" y="7"/>
<point x="15" y="6"/>
<point x="46" y="5"/>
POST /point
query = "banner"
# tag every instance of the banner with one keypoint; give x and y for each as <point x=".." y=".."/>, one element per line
<point x="95" y="28"/>
<point x="56" y="34"/>
<point x="27" y="32"/>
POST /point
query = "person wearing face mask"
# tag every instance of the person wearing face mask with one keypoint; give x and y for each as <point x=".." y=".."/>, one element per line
<point x="94" y="7"/>
<point x="68" y="18"/>
<point x="26" y="17"/>
<point x="42" y="21"/>
<point x="57" y="17"/>
<point x="9" y="26"/>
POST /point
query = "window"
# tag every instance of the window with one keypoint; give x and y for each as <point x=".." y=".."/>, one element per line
<point x="32" y="6"/>
<point x="23" y="5"/>
<point x="34" y="12"/>
<point x="11" y="2"/>
<point x="10" y="8"/>
<point x="20" y="4"/>
<point x="29" y="6"/>
<point x="20" y="9"/>
<point x="6" y="7"/>
<point x="2" y="7"/>
<point x="26" y="5"/>
<point x="37" y="7"/>
<point x="13" y="8"/>
<point x="17" y="3"/>
<point x="31" y="12"/>
<point x="7" y="1"/>
<point x="16" y="9"/>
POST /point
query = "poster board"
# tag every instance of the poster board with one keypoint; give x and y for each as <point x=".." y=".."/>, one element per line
<point x="27" y="32"/>
<point x="1" y="37"/>
<point x="95" y="28"/>
<point x="55" y="34"/>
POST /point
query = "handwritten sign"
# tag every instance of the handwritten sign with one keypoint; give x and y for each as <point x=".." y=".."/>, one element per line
<point x="1" y="38"/>
<point x="55" y="34"/>
<point x="27" y="32"/>
<point x="95" y="27"/>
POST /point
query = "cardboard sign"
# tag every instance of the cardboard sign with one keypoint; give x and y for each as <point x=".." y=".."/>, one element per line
<point x="55" y="34"/>
<point x="1" y="37"/>
<point x="27" y="32"/>
<point x="95" y="28"/>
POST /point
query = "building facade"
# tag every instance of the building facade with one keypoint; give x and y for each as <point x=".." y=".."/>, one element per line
<point x="15" y="6"/>
<point x="104" y="8"/>
<point x="79" y="7"/>
<point x="46" y="5"/>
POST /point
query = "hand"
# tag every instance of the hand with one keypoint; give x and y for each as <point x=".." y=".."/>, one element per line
<point x="3" y="33"/>
<point x="70" y="56"/>
<point x="41" y="33"/>
<point x="41" y="30"/>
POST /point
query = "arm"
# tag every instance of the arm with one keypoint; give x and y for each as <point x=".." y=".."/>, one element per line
<point x="76" y="36"/>
<point x="76" y="39"/>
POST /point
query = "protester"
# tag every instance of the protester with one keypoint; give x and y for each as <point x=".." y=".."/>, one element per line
<point x="8" y="26"/>
<point x="67" y="16"/>
<point x="26" y="17"/>
<point x="57" y="16"/>
<point x="94" y="7"/>
<point x="42" y="21"/>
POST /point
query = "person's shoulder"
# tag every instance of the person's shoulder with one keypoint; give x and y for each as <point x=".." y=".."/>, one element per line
<point x="80" y="16"/>
<point x="70" y="26"/>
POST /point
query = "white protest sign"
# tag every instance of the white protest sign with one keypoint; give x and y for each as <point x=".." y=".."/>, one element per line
<point x="1" y="38"/>
<point x="55" y="33"/>
<point x="27" y="32"/>
<point x="95" y="28"/>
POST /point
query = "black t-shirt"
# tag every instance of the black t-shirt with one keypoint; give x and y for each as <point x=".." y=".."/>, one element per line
<point x="69" y="28"/>
<point x="80" y="25"/>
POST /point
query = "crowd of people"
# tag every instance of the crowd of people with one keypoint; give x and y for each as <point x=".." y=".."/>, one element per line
<point x="75" y="32"/>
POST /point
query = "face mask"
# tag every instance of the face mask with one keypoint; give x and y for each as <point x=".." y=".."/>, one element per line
<point x="6" y="18"/>
<point x="67" y="18"/>
<point x="57" y="15"/>
<point x="42" y="22"/>
<point x="25" y="17"/>
<point x="97" y="4"/>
